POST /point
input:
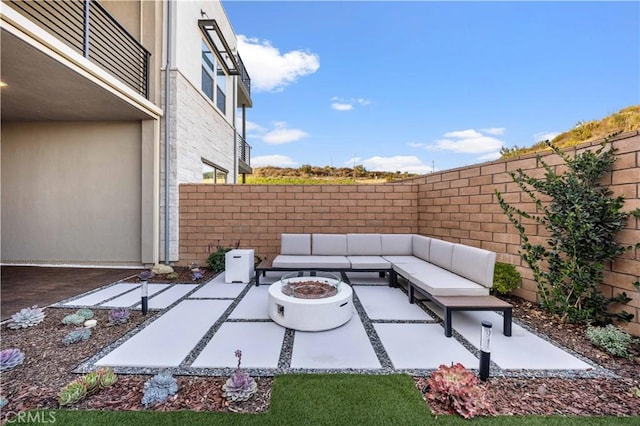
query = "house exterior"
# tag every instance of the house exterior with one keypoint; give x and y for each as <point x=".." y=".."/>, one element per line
<point x="93" y="144"/>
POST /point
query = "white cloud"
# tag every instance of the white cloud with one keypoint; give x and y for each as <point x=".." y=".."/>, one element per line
<point x="281" y="134"/>
<point x="403" y="163"/>
<point x="490" y="156"/>
<point x="468" y="141"/>
<point x="417" y="144"/>
<point x="342" y="104"/>
<point x="253" y="127"/>
<point x="544" y="136"/>
<point x="494" y="130"/>
<point x="341" y="107"/>
<point x="270" y="70"/>
<point x="272" y="160"/>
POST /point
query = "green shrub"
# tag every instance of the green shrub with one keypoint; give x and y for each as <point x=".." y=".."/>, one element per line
<point x="505" y="278"/>
<point x="612" y="339"/>
<point x="216" y="259"/>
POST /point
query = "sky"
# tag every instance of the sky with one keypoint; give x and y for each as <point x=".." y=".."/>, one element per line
<point x="422" y="86"/>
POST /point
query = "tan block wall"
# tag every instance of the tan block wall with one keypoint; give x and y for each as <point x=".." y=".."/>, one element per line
<point x="256" y="215"/>
<point x="456" y="205"/>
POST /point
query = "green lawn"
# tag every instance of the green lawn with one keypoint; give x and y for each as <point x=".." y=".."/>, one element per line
<point x="336" y="399"/>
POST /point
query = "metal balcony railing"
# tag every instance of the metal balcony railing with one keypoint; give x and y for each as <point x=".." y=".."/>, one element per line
<point x="86" y="26"/>
<point x="244" y="151"/>
<point x="244" y="76"/>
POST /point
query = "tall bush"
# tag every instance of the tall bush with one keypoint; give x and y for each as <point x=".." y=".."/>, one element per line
<point x="582" y="217"/>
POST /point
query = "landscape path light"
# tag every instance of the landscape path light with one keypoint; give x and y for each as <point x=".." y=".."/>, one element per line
<point x="485" y="350"/>
<point x="144" y="288"/>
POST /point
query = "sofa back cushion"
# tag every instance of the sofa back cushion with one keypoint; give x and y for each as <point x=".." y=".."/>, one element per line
<point x="397" y="244"/>
<point x="295" y="244"/>
<point x="420" y="246"/>
<point x="440" y="253"/>
<point x="474" y="263"/>
<point x="364" y="245"/>
<point x="329" y="244"/>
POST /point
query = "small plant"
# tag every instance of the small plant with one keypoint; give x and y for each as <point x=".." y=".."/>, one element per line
<point x="457" y="388"/>
<point x="172" y="276"/>
<point x="10" y="358"/>
<point x="85" y="313"/>
<point x="240" y="386"/>
<point x="88" y="384"/>
<point x="216" y="260"/>
<point x="73" y="319"/>
<point x="635" y="391"/>
<point x="158" y="388"/>
<point x="3" y="402"/>
<point x="196" y="274"/>
<point x="505" y="278"/>
<point x="72" y="393"/>
<point x="119" y="316"/>
<point x="75" y="336"/>
<point x="146" y="275"/>
<point x="27" y="317"/>
<point x="612" y="339"/>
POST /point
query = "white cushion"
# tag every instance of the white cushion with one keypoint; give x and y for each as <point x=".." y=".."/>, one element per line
<point x="402" y="259"/>
<point x="397" y="244"/>
<point x="474" y="263"/>
<point x="440" y="282"/>
<point x="368" y="262"/>
<point x="440" y="253"/>
<point x="420" y="246"/>
<point x="311" y="262"/>
<point x="299" y="244"/>
<point x="329" y="244"/>
<point x="364" y="245"/>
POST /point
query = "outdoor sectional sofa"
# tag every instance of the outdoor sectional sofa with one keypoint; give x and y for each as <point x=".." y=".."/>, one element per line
<point x="454" y="276"/>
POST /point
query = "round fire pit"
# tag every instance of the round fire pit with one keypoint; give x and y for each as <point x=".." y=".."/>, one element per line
<point x="310" y="301"/>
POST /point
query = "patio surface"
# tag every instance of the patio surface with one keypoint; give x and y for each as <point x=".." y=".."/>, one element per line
<point x="199" y="328"/>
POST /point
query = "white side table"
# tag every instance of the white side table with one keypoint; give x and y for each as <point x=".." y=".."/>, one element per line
<point x="238" y="266"/>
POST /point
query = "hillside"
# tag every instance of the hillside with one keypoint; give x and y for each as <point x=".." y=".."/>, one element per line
<point x="307" y="174"/>
<point x="625" y="120"/>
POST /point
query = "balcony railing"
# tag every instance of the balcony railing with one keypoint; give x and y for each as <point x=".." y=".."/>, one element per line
<point x="86" y="26"/>
<point x="244" y="76"/>
<point x="244" y="154"/>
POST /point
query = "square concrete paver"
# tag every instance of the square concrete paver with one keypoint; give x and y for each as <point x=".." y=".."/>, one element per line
<point x="169" y="339"/>
<point x="133" y="297"/>
<point x="369" y="278"/>
<point x="347" y="346"/>
<point x="254" y="304"/>
<point x="99" y="296"/>
<point x="218" y="289"/>
<point x="169" y="296"/>
<point x="260" y="343"/>
<point x="422" y="346"/>
<point x="387" y="303"/>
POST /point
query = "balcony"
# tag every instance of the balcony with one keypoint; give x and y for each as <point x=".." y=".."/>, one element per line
<point x="244" y="155"/>
<point x="87" y="27"/>
<point x="244" y="84"/>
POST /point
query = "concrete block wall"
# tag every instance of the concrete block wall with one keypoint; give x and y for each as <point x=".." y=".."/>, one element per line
<point x="456" y="205"/>
<point x="256" y="215"/>
<point x="460" y="205"/>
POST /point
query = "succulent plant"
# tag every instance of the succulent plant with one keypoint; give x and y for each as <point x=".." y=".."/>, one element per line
<point x="74" y="319"/>
<point x="72" y="393"/>
<point x="107" y="377"/>
<point x="196" y="274"/>
<point x="172" y="275"/>
<point x="119" y="316"/>
<point x="3" y="402"/>
<point x="10" y="358"/>
<point x="146" y="275"/>
<point x="85" y="313"/>
<point x="240" y="386"/>
<point x="158" y="388"/>
<point x="457" y="388"/>
<point x="27" y="317"/>
<point x="75" y="336"/>
<point x="91" y="381"/>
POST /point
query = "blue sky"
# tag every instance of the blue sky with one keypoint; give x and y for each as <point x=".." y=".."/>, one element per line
<point x="412" y="85"/>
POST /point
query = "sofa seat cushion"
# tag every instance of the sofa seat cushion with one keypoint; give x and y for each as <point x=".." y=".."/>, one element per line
<point x="440" y="282"/>
<point x="403" y="259"/>
<point x="368" y="262"/>
<point x="311" y="262"/>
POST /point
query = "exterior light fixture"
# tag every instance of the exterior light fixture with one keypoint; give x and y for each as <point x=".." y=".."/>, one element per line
<point x="3" y="84"/>
<point x="144" y="288"/>
<point x="485" y="351"/>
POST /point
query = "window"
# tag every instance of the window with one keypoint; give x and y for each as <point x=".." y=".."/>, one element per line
<point x="214" y="80"/>
<point x="213" y="174"/>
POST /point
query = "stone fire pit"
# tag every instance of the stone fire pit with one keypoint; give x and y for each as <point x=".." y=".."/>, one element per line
<point x="309" y="301"/>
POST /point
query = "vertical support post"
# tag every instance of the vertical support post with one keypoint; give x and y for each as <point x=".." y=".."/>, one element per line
<point x="87" y="14"/>
<point x="145" y="297"/>
<point x="485" y="350"/>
